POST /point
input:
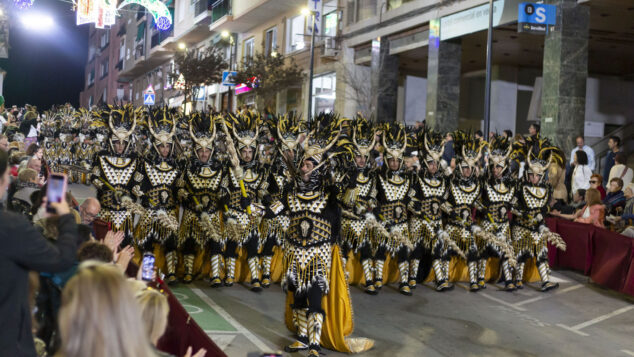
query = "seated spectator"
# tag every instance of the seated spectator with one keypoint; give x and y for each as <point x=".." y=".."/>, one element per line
<point x="596" y="181"/>
<point x="576" y="204"/>
<point x="4" y="143"/>
<point x="620" y="170"/>
<point x="581" y="174"/>
<point x="592" y="213"/>
<point x="615" y="200"/>
<point x="89" y="211"/>
<point x="154" y="312"/>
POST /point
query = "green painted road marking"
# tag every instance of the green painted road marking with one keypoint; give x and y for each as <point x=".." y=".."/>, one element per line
<point x="206" y="317"/>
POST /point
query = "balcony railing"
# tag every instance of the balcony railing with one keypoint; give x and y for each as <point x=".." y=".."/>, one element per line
<point x="219" y="9"/>
<point x="202" y="6"/>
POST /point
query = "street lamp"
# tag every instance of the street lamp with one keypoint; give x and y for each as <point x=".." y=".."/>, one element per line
<point x="182" y="46"/>
<point x="306" y="12"/>
<point x="226" y="34"/>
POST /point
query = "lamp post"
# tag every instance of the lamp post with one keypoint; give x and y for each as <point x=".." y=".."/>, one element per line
<point x="487" y="83"/>
<point x="307" y="12"/>
<point x="227" y="34"/>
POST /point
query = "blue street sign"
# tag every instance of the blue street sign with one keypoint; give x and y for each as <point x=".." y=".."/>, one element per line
<point x="148" y="98"/>
<point x="536" y="18"/>
<point x="228" y="78"/>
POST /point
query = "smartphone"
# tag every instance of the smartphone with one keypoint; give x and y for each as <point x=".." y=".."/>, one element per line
<point x="147" y="267"/>
<point x="55" y="189"/>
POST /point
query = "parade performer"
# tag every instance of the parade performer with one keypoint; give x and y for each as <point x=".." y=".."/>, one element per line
<point x="158" y="223"/>
<point x="114" y="171"/>
<point x="428" y="194"/>
<point x="531" y="205"/>
<point x="393" y="186"/>
<point x="289" y="130"/>
<point x="494" y="205"/>
<point x="247" y="185"/>
<point x="463" y="192"/>
<point x="358" y="199"/>
<point x="199" y="192"/>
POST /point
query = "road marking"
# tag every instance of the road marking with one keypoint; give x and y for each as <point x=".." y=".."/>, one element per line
<point x="562" y="291"/>
<point x="572" y="330"/>
<point x="576" y="328"/>
<point x="603" y="317"/>
<point x="238" y="326"/>
<point x="501" y="302"/>
<point x="628" y="352"/>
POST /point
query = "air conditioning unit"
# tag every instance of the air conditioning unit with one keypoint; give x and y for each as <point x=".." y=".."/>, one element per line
<point x="330" y="47"/>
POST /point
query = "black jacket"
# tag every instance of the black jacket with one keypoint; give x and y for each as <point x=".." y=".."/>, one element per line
<point x="22" y="249"/>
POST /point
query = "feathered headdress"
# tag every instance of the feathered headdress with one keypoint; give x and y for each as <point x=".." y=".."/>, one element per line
<point x="202" y="130"/>
<point x="287" y="128"/>
<point x="541" y="153"/>
<point x="431" y="146"/>
<point x="468" y="149"/>
<point x="394" y="141"/>
<point x="324" y="132"/>
<point x="500" y="150"/>
<point x="363" y="136"/>
<point x="161" y="124"/>
<point x="245" y="128"/>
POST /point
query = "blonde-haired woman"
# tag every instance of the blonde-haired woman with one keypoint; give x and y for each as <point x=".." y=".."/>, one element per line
<point x="100" y="317"/>
<point x="154" y="311"/>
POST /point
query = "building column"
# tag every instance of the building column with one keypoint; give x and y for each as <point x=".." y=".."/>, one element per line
<point x="565" y="73"/>
<point x="443" y="84"/>
<point x="384" y="81"/>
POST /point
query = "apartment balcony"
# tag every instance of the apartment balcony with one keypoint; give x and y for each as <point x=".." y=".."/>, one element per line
<point x="195" y="24"/>
<point x="243" y="15"/>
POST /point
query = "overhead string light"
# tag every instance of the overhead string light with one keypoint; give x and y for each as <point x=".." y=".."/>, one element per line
<point x="23" y="4"/>
<point x="160" y="12"/>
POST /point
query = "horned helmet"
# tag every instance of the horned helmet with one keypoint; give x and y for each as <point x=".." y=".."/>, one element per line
<point x="202" y="130"/>
<point x="245" y="129"/>
<point x="469" y="153"/>
<point x="394" y="142"/>
<point x="363" y="137"/>
<point x="500" y="150"/>
<point x="431" y="147"/>
<point x="122" y="121"/>
<point x="539" y="163"/>
<point x="161" y="123"/>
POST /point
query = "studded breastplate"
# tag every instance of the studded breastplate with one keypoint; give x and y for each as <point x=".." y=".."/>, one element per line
<point x="308" y="225"/>
<point x="280" y="180"/>
<point x="394" y="191"/>
<point x="118" y="172"/>
<point x="204" y="185"/>
<point x="253" y="183"/>
<point x="160" y="180"/>
<point x="433" y="190"/>
<point x="462" y="198"/>
<point x="498" y="198"/>
<point x="533" y="201"/>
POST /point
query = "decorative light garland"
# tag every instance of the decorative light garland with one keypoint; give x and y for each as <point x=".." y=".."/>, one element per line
<point x="160" y="12"/>
<point x="23" y="4"/>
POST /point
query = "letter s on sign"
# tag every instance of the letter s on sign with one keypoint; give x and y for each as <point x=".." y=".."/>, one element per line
<point x="540" y="15"/>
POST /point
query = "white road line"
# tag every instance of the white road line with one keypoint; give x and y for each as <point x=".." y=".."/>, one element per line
<point x="544" y="296"/>
<point x="603" y="317"/>
<point x="501" y="302"/>
<point x="248" y="334"/>
<point x="628" y="352"/>
<point x="572" y="330"/>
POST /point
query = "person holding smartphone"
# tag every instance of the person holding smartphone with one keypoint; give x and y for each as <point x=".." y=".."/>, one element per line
<point x="25" y="249"/>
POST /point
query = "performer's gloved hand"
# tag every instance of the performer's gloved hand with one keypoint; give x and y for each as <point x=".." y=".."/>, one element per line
<point x="245" y="202"/>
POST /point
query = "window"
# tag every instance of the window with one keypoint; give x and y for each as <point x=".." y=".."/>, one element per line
<point x="330" y="24"/>
<point x="104" y="96"/>
<point x="324" y="94"/>
<point x="122" y="49"/>
<point x="91" y="54"/>
<point x="105" y="38"/>
<point x="249" y="48"/>
<point x="360" y="10"/>
<point x="89" y="102"/>
<point x="270" y="41"/>
<point x="295" y="33"/>
<point x="91" y="78"/>
<point x="104" y="68"/>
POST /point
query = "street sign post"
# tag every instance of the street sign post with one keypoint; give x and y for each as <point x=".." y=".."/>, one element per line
<point x="228" y="78"/>
<point x="149" y="97"/>
<point x="536" y="18"/>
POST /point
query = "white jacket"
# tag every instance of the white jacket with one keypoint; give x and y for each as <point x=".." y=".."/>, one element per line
<point x="581" y="178"/>
<point x="617" y="171"/>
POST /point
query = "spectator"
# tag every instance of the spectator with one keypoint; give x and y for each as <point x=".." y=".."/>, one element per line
<point x="479" y="136"/>
<point x="94" y="250"/>
<point x="615" y="200"/>
<point x="596" y="181"/>
<point x="24" y="249"/>
<point x="89" y="211"/>
<point x="620" y="170"/>
<point x="592" y="213"/>
<point x="154" y="312"/>
<point x="508" y="134"/>
<point x="98" y="295"/>
<point x="581" y="174"/>
<point x="588" y="150"/>
<point x="624" y="220"/>
<point x="614" y="145"/>
<point x="533" y="130"/>
<point x="20" y="191"/>
<point x="556" y="176"/>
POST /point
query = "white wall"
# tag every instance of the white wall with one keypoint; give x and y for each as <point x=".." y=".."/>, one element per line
<point x="415" y="99"/>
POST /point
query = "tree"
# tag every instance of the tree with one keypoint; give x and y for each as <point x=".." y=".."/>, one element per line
<point x="267" y="75"/>
<point x="198" y="67"/>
